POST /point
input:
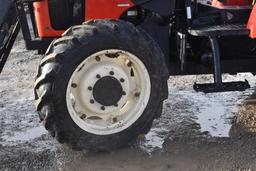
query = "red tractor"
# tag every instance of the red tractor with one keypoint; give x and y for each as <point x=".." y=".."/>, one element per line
<point x="103" y="76"/>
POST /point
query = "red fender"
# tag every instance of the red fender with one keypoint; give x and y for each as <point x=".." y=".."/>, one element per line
<point x="252" y="23"/>
<point x="95" y="9"/>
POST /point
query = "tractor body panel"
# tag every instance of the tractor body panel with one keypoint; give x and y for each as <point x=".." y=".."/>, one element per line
<point x="54" y="17"/>
<point x="230" y="3"/>
<point x="43" y="21"/>
<point x="102" y="9"/>
<point x="161" y="7"/>
<point x="252" y="23"/>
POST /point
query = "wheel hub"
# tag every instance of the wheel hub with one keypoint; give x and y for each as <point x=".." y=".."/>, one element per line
<point x="106" y="95"/>
<point x="107" y="91"/>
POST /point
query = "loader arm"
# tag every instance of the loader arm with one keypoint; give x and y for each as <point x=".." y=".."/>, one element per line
<point x="9" y="29"/>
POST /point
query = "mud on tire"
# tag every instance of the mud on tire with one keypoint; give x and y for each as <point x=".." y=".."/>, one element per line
<point x="66" y="53"/>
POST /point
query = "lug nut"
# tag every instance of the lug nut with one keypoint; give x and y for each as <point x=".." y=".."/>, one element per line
<point x="124" y="93"/>
<point x="111" y="73"/>
<point x="137" y="94"/>
<point x="74" y="85"/>
<point x="97" y="58"/>
<point x="114" y="120"/>
<point x="129" y="64"/>
<point x="103" y="108"/>
<point x="98" y="76"/>
<point x="91" y="101"/>
<point x="83" y="116"/>
<point x="122" y="80"/>
<point x="90" y="88"/>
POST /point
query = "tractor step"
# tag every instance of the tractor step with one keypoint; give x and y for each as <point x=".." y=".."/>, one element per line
<point x="223" y="87"/>
<point x="220" y="30"/>
<point x="214" y="33"/>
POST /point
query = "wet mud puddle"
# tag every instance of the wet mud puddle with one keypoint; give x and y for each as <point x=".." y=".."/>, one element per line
<point x="213" y="112"/>
<point x="189" y="113"/>
<point x="185" y="113"/>
<point x="25" y="136"/>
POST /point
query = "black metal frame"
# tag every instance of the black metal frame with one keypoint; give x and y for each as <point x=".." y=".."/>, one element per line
<point x="213" y="32"/>
<point x="207" y="12"/>
<point x="9" y="28"/>
<point x="7" y="47"/>
<point x="35" y="43"/>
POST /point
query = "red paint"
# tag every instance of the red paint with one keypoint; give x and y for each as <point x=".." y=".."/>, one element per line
<point x="95" y="9"/>
<point x="102" y="9"/>
<point x="218" y="4"/>
<point x="43" y="21"/>
<point x="252" y="23"/>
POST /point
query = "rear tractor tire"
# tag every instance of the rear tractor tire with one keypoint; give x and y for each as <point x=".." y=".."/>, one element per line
<point x="101" y="85"/>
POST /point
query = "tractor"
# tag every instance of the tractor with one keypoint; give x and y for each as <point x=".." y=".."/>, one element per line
<point x="103" y="76"/>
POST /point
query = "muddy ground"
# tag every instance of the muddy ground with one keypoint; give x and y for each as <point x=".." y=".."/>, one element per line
<point x="196" y="131"/>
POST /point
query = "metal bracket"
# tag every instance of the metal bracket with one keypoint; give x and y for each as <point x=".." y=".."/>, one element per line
<point x="7" y="47"/>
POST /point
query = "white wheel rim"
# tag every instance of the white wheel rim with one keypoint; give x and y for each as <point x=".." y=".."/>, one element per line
<point x="92" y="116"/>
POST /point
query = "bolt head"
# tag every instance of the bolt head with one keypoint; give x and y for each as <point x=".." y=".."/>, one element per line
<point x="129" y="64"/>
<point x="103" y="108"/>
<point x="98" y="76"/>
<point x="122" y="80"/>
<point x="97" y="58"/>
<point x="83" y="116"/>
<point x="92" y="101"/>
<point x="124" y="93"/>
<point x="114" y="120"/>
<point x="111" y="73"/>
<point x="73" y="85"/>
<point x="137" y="94"/>
<point x="90" y="88"/>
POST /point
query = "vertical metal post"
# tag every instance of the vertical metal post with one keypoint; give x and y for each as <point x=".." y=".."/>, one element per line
<point x="7" y="47"/>
<point x="216" y="59"/>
